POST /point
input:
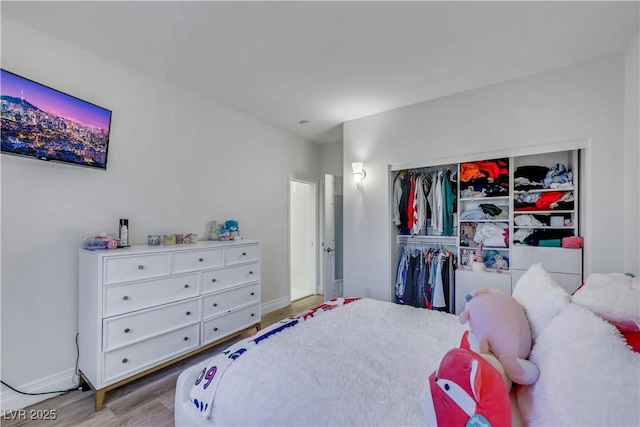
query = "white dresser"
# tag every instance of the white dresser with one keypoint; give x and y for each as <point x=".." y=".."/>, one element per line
<point x="145" y="307"/>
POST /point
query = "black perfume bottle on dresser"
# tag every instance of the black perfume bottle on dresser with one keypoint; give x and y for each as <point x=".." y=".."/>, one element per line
<point x="124" y="233"/>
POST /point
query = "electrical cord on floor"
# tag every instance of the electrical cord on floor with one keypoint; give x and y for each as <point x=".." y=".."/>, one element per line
<point x="69" y="390"/>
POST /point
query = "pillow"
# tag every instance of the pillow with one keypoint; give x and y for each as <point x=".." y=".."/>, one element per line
<point x="588" y="375"/>
<point x="466" y="389"/>
<point x="614" y="297"/>
<point x="541" y="297"/>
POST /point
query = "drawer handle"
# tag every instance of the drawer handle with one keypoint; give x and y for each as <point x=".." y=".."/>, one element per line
<point x="126" y="331"/>
<point x="252" y="293"/>
<point x="141" y="267"/>
<point x="252" y="315"/>
<point x="126" y="298"/>
<point x="244" y="254"/>
<point x="201" y="259"/>
<point x="125" y="360"/>
<point x="186" y="338"/>
<point x="214" y="280"/>
<point x="215" y="329"/>
<point x="188" y="313"/>
<point x="251" y="272"/>
<point x="215" y="304"/>
<point x="186" y="286"/>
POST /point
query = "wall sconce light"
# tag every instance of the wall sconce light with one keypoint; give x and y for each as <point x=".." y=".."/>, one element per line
<point x="358" y="173"/>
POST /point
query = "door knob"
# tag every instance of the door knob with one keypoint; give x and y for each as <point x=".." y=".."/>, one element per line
<point x="329" y="250"/>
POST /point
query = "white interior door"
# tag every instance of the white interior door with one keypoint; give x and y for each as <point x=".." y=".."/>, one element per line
<point x="332" y="238"/>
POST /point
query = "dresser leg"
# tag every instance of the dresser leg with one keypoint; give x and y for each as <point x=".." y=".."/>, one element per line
<point x="259" y="326"/>
<point x="99" y="399"/>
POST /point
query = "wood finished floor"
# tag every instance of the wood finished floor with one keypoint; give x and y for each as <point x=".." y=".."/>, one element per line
<point x="148" y="401"/>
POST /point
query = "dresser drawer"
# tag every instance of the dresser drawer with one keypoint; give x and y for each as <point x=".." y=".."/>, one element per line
<point x="554" y="260"/>
<point x="220" y="279"/>
<point x="142" y="355"/>
<point x="119" y="299"/>
<point x="235" y="321"/>
<point x="129" y="328"/>
<point x="131" y="268"/>
<point x="240" y="254"/>
<point x="196" y="260"/>
<point x="222" y="302"/>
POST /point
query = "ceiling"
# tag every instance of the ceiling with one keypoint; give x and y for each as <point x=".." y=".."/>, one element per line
<point x="327" y="62"/>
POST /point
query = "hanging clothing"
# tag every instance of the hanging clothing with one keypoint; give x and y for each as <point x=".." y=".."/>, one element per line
<point x="397" y="195"/>
<point x="404" y="203"/>
<point x="424" y="203"/>
<point x="420" y="206"/>
<point x="435" y="201"/>
<point x="425" y="278"/>
<point x="412" y="187"/>
<point x="448" y="204"/>
<point x="415" y="226"/>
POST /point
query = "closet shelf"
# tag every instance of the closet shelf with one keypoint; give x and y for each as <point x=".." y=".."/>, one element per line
<point x="544" y="227"/>
<point x="485" y="220"/>
<point x="543" y="190"/>
<point x="547" y="212"/>
<point x="479" y="199"/>
<point x="487" y="248"/>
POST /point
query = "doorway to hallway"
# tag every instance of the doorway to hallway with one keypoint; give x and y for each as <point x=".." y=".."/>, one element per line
<point x="303" y="232"/>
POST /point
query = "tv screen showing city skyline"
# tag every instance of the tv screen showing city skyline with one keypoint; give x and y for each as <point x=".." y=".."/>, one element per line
<point x="41" y="122"/>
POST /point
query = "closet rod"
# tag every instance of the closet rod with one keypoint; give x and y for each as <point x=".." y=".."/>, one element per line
<point x="437" y="242"/>
<point x="431" y="169"/>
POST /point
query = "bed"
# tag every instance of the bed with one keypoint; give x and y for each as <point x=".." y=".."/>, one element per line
<point x="366" y="362"/>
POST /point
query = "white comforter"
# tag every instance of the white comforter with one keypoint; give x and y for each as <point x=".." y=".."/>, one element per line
<point x="362" y="364"/>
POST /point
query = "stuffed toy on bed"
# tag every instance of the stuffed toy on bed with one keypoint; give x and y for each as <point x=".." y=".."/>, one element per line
<point x="498" y="323"/>
<point x="467" y="389"/>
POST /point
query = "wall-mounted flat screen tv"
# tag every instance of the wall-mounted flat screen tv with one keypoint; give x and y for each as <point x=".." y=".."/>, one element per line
<point x="46" y="124"/>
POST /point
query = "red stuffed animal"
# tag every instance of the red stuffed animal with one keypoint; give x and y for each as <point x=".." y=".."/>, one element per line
<point x="466" y="390"/>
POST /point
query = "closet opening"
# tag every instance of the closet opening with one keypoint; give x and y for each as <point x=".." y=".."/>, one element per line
<point x="483" y="221"/>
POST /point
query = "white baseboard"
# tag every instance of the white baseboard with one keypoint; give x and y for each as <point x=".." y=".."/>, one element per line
<point x="274" y="305"/>
<point x="12" y="401"/>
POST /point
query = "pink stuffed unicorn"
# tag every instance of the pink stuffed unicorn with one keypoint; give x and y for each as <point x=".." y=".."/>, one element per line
<point x="498" y="324"/>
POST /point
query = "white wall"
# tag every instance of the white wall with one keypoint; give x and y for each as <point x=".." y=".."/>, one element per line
<point x="632" y="159"/>
<point x="331" y="158"/>
<point x="584" y="101"/>
<point x="176" y="161"/>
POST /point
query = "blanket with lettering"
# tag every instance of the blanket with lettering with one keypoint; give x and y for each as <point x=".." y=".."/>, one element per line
<point x="203" y="391"/>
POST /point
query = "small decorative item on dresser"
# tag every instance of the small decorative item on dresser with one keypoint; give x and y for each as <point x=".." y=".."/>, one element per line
<point x="170" y="239"/>
<point x="224" y="234"/>
<point x="153" y="240"/>
<point x="213" y="233"/>
<point x="191" y="238"/>
<point x="124" y="232"/>
<point x="101" y="241"/>
<point x="234" y="228"/>
<point x="179" y="239"/>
